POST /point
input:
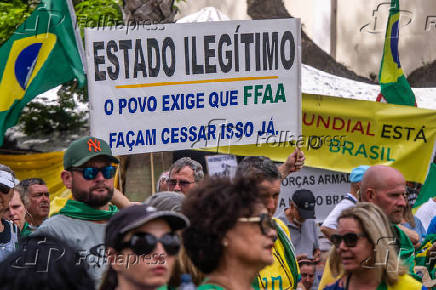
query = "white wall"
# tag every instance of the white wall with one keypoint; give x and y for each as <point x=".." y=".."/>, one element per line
<point x="360" y="49"/>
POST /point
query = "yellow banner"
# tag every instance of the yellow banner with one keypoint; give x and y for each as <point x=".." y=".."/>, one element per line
<point x="47" y="166"/>
<point x="340" y="134"/>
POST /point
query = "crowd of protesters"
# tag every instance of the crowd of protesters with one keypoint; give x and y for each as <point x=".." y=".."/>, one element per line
<point x="211" y="233"/>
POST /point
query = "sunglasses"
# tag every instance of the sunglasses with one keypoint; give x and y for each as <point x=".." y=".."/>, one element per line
<point x="4" y="189"/>
<point x="350" y="239"/>
<point x="265" y="222"/>
<point x="145" y="243"/>
<point x="182" y="183"/>
<point x="90" y="173"/>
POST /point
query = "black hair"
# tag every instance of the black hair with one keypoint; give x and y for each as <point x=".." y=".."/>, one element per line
<point x="213" y="208"/>
<point x="56" y="267"/>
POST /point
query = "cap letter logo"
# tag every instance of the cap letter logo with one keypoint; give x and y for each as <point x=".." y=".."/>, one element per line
<point x="94" y="144"/>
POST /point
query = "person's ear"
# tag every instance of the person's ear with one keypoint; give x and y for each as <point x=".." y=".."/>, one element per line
<point x="67" y="178"/>
<point x="370" y="194"/>
<point x="288" y="213"/>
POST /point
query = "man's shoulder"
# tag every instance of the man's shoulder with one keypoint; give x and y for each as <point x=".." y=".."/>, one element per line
<point x="62" y="226"/>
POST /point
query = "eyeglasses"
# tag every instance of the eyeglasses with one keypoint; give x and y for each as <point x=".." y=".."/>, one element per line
<point x="350" y="239"/>
<point x="182" y="183"/>
<point x="145" y="243"/>
<point x="90" y="173"/>
<point x="4" y="189"/>
<point x="265" y="222"/>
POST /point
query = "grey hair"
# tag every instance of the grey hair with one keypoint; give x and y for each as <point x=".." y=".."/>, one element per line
<point x="378" y="231"/>
<point x="261" y="166"/>
<point x="164" y="176"/>
<point x="194" y="165"/>
<point x="166" y="201"/>
<point x="24" y="186"/>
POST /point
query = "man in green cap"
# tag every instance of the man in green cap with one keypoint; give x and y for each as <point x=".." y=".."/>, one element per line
<point x="89" y="169"/>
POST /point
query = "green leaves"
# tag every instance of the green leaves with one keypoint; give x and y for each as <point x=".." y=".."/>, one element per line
<point x="43" y="117"/>
<point x="12" y="14"/>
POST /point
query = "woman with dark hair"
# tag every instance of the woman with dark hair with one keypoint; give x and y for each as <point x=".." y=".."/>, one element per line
<point x="364" y="253"/>
<point x="231" y="235"/>
<point x="141" y="244"/>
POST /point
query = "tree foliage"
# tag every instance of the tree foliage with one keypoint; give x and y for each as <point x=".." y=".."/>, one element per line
<point x="12" y="14"/>
<point x="41" y="116"/>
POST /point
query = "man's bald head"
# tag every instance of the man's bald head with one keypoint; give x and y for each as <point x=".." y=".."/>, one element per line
<point x="385" y="187"/>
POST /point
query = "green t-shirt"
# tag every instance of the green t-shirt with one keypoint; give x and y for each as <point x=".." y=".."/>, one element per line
<point x="209" y="286"/>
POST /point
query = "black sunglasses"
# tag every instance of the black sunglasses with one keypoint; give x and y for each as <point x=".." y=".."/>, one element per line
<point x="265" y="222"/>
<point x="350" y="239"/>
<point x="90" y="173"/>
<point x="145" y="243"/>
<point x="4" y="189"/>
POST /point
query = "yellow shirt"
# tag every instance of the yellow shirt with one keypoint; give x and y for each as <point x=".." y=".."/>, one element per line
<point x="278" y="276"/>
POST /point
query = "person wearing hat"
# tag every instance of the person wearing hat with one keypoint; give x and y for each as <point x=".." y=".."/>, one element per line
<point x="89" y="170"/>
<point x="9" y="232"/>
<point x="142" y="245"/>
<point x="330" y="223"/>
<point x="300" y="219"/>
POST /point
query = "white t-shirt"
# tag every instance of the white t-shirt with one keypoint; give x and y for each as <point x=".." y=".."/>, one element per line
<point x="426" y="212"/>
<point x="331" y="219"/>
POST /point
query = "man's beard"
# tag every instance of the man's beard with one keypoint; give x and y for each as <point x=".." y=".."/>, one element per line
<point x="91" y="199"/>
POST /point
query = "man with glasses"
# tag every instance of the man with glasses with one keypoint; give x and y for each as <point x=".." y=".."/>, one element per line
<point x="8" y="231"/>
<point x="185" y="173"/>
<point x="89" y="170"/>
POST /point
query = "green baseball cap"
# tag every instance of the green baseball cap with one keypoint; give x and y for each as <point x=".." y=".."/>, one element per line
<point x="82" y="150"/>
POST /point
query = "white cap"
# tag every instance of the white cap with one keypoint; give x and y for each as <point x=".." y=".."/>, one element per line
<point x="6" y="178"/>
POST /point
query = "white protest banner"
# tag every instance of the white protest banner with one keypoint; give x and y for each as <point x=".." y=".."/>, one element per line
<point x="221" y="165"/>
<point x="194" y="85"/>
<point x="328" y="187"/>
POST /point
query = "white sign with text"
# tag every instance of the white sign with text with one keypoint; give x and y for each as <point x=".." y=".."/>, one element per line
<point x="194" y="85"/>
<point x="221" y="165"/>
<point x="328" y="187"/>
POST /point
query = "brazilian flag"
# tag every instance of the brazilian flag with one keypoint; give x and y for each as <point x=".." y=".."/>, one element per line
<point x="41" y="54"/>
<point x="394" y="85"/>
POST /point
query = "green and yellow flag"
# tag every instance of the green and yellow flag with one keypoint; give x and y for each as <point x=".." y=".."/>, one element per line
<point x="394" y="85"/>
<point x="41" y="54"/>
<point x="428" y="190"/>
